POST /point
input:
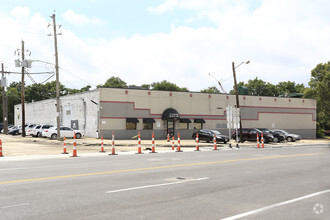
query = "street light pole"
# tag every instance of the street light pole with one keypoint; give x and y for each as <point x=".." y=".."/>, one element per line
<point x="237" y="99"/>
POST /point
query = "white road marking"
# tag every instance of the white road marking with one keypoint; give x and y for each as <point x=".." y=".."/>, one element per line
<point x="12" y="206"/>
<point x="19" y="168"/>
<point x="276" y="205"/>
<point x="156" y="185"/>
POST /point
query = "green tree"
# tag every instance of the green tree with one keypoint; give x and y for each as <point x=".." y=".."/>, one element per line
<point x="320" y="90"/>
<point x="14" y="97"/>
<point x="211" y="89"/>
<point x="258" y="87"/>
<point x="114" y="82"/>
<point x="146" y="86"/>
<point x="289" y="87"/>
<point x="83" y="89"/>
<point x="167" y="86"/>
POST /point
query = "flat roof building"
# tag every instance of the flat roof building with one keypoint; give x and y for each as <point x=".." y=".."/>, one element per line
<point x="127" y="111"/>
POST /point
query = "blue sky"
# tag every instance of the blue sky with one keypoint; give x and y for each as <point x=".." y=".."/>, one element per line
<point x="182" y="41"/>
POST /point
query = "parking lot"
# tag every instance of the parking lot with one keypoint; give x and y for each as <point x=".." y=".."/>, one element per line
<point x="18" y="146"/>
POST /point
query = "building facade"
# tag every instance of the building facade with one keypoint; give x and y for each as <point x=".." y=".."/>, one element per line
<point x="129" y="111"/>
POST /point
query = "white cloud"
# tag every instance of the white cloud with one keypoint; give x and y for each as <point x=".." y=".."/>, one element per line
<point x="283" y="40"/>
<point x="168" y="5"/>
<point x="81" y="20"/>
<point x="20" y="12"/>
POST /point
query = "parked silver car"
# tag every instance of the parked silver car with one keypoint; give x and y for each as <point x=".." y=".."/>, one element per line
<point x="289" y="137"/>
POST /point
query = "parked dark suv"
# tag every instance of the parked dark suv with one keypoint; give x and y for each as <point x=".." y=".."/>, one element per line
<point x="277" y="136"/>
<point x="250" y="134"/>
<point x="207" y="135"/>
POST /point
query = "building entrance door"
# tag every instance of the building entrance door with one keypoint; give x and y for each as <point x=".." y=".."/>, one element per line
<point x="170" y="115"/>
<point x="170" y="128"/>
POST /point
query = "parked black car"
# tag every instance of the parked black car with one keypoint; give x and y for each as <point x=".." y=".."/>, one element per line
<point x="207" y="135"/>
<point x="277" y="136"/>
<point x="250" y="134"/>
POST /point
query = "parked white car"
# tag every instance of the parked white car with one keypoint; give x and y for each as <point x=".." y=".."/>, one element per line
<point x="37" y="130"/>
<point x="64" y="131"/>
<point x="29" y="130"/>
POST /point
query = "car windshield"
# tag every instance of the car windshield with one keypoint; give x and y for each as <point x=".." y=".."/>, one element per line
<point x="215" y="132"/>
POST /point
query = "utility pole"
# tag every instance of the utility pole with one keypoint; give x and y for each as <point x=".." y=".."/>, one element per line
<point x="237" y="104"/>
<point x="4" y="103"/>
<point x="22" y="92"/>
<point x="58" y="122"/>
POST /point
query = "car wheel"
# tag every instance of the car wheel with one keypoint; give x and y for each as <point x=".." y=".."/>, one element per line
<point x="16" y="133"/>
<point x="78" y="135"/>
<point x="224" y="142"/>
<point x="290" y="139"/>
<point x="276" y="140"/>
<point x="53" y="137"/>
<point x="39" y="134"/>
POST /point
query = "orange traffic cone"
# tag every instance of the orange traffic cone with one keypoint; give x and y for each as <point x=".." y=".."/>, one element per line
<point x="168" y="137"/>
<point x="262" y="140"/>
<point x="139" y="144"/>
<point x="1" y="155"/>
<point x="74" y="154"/>
<point x="64" y="147"/>
<point x="215" y="142"/>
<point x="113" y="152"/>
<point x="178" y="149"/>
<point x="173" y="143"/>
<point x="258" y="143"/>
<point x="102" y="146"/>
<point x="197" y="142"/>
<point x="153" y="143"/>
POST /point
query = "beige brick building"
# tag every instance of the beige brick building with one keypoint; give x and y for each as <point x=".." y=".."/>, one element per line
<point x="128" y="111"/>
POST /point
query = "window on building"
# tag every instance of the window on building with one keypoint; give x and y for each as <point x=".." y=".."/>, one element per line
<point x="131" y="123"/>
<point x="198" y="123"/>
<point x="184" y="124"/>
<point x="68" y="112"/>
<point x="148" y="123"/>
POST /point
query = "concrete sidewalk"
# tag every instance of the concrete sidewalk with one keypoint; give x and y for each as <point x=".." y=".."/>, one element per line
<point x="17" y="146"/>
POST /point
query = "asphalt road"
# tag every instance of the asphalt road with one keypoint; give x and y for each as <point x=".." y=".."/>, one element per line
<point x="281" y="183"/>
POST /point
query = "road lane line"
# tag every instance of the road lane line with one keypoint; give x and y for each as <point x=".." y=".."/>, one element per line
<point x="276" y="205"/>
<point x="152" y="168"/>
<point x="12" y="206"/>
<point x="155" y="185"/>
<point x="19" y="168"/>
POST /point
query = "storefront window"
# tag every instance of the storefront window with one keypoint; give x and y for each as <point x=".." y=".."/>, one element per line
<point x="148" y="123"/>
<point x="198" y="126"/>
<point x="184" y="126"/>
<point x="148" y="126"/>
<point x="198" y="123"/>
<point x="184" y="123"/>
<point x="131" y="123"/>
<point x="130" y="126"/>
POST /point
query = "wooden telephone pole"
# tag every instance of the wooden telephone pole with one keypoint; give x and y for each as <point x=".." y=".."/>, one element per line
<point x="58" y="122"/>
<point x="22" y="92"/>
<point x="4" y="104"/>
